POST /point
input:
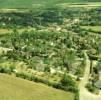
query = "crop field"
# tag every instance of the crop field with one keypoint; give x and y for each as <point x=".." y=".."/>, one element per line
<point x="12" y="88"/>
<point x="4" y="31"/>
<point x="94" y="28"/>
<point x="30" y="3"/>
<point x="79" y="5"/>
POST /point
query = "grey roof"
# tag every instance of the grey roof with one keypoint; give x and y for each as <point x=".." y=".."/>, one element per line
<point x="98" y="84"/>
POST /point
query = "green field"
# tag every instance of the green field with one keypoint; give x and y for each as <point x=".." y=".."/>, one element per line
<point x="31" y="3"/>
<point x="94" y="28"/>
<point x="12" y="88"/>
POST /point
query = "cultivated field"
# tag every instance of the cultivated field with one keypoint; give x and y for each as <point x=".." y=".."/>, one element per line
<point x="31" y="3"/>
<point x="12" y="88"/>
<point x="94" y="28"/>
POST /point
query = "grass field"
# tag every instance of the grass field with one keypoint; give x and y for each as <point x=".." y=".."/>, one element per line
<point x="12" y="88"/>
<point x="30" y="3"/>
<point x="94" y="28"/>
<point x="4" y="31"/>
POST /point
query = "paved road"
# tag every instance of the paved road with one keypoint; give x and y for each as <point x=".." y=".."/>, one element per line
<point x="84" y="93"/>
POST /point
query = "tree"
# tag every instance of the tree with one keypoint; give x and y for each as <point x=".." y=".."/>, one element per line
<point x="67" y="81"/>
<point x="69" y="59"/>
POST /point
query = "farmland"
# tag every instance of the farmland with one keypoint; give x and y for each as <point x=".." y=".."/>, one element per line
<point x="94" y="28"/>
<point x="12" y="88"/>
<point x="31" y="3"/>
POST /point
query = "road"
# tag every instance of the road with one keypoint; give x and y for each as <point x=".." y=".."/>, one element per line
<point x="84" y="93"/>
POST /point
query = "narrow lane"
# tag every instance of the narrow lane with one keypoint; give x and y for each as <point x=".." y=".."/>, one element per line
<point x="84" y="93"/>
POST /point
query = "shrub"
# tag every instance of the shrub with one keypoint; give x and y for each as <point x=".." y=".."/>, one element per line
<point x="77" y="96"/>
<point x="68" y="83"/>
<point x="2" y="70"/>
<point x="7" y="70"/>
<point x="30" y="77"/>
<point x="90" y="87"/>
<point x="67" y="80"/>
<point x="47" y="69"/>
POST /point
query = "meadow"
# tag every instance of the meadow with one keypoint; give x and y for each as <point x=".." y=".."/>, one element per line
<point x="12" y="88"/>
<point x="94" y="28"/>
<point x="31" y="3"/>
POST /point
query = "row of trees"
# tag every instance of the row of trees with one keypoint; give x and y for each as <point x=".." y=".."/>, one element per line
<point x="50" y="15"/>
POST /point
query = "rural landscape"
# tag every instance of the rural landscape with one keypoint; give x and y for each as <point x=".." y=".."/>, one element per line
<point x="50" y="49"/>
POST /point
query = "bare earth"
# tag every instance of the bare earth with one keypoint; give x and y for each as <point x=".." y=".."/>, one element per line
<point x="84" y="93"/>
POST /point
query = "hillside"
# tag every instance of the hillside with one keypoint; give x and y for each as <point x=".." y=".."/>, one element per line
<point x="12" y="88"/>
<point x="31" y="3"/>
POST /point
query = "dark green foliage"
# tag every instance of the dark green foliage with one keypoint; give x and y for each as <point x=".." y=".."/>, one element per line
<point x="13" y="19"/>
<point x="68" y="83"/>
<point x="8" y="70"/>
<point x="90" y="87"/>
<point x="77" y="96"/>
<point x="46" y="16"/>
<point x="47" y="69"/>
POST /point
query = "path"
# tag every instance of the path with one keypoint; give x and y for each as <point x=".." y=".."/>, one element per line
<point x="84" y="93"/>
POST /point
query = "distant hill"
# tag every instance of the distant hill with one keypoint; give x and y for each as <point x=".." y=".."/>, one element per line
<point x="30" y="3"/>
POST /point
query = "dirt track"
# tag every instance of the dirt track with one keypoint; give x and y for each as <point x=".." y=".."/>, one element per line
<point x="84" y="93"/>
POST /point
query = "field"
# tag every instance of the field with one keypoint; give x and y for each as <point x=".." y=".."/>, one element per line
<point x="12" y="88"/>
<point x="94" y="28"/>
<point x="31" y="3"/>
